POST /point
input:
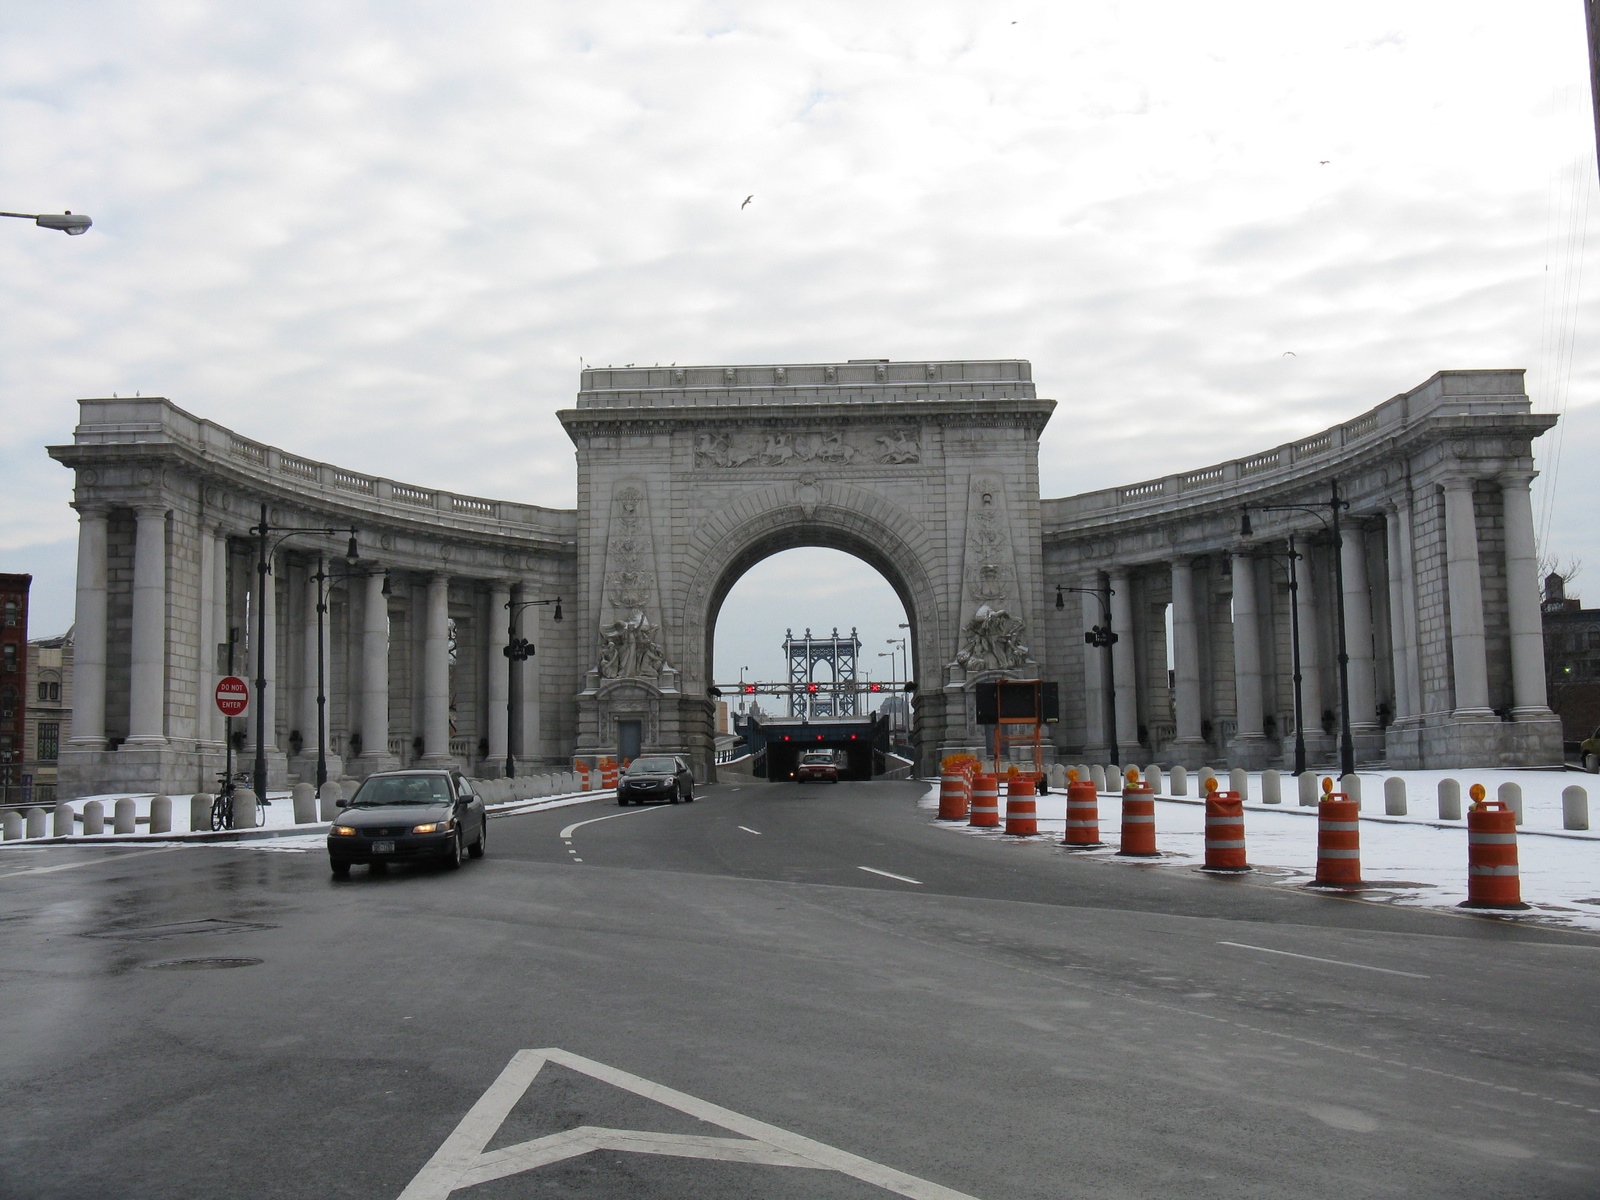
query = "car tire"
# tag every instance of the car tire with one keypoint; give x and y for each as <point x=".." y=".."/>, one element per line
<point x="341" y="870"/>
<point x="452" y="857"/>
<point x="675" y="798"/>
<point x="621" y="803"/>
<point x="480" y="847"/>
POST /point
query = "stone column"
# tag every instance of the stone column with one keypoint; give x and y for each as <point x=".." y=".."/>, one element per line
<point x="527" y="682"/>
<point x="436" y="672"/>
<point x="1246" y="656"/>
<point x="265" y="593"/>
<point x="1408" y="582"/>
<point x="147" y="663"/>
<point x="89" y="633"/>
<point x="1189" y="745"/>
<point x="205" y="653"/>
<point x="499" y="670"/>
<point x="1466" y="600"/>
<point x="1310" y="644"/>
<point x="1096" y="743"/>
<point x="1358" y="630"/>
<point x="375" y="674"/>
<point x="1125" y="684"/>
<point x="1522" y="599"/>
<point x="1405" y="704"/>
<point x="308" y="657"/>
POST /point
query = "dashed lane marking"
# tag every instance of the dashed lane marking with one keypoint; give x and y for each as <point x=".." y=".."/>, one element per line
<point x="891" y="875"/>
<point x="1338" y="962"/>
<point x="747" y="829"/>
<point x="462" y="1162"/>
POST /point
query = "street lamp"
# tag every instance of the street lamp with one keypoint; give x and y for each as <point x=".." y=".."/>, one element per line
<point x="68" y="222"/>
<point x="1347" y="746"/>
<point x="262" y="532"/>
<point x="1102" y="637"/>
<point x="517" y="649"/>
<point x="1293" y="557"/>
<point x="321" y="578"/>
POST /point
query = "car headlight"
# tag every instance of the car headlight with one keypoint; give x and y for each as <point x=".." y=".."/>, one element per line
<point x="432" y="827"/>
<point x="344" y="831"/>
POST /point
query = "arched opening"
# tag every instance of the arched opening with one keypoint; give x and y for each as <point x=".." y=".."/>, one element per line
<point x="811" y="646"/>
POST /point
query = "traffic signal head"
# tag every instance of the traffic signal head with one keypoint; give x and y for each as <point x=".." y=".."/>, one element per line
<point x="749" y="689"/>
<point x="811" y="687"/>
<point x="876" y="687"/>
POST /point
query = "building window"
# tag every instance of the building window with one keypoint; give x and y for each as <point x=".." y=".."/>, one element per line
<point x="49" y="690"/>
<point x="13" y="614"/>
<point x="49" y="741"/>
<point x="8" y="658"/>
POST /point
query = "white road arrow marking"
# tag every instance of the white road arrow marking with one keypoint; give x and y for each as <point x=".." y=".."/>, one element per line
<point x="890" y="875"/>
<point x="462" y="1163"/>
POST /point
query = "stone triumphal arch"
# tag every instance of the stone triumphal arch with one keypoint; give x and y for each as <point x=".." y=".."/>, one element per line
<point x="928" y="471"/>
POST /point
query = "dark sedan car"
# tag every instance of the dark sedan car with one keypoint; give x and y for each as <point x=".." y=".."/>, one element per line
<point x="656" y="779"/>
<point x="409" y="816"/>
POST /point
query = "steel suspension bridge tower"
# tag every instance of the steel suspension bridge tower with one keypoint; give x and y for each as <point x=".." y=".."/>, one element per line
<point x="835" y="698"/>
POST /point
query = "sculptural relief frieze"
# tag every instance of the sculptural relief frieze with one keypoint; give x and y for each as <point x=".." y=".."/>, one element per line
<point x="780" y="448"/>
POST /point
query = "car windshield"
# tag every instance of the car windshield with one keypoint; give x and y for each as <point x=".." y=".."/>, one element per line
<point x="818" y="760"/>
<point x="653" y="766"/>
<point x="404" y="789"/>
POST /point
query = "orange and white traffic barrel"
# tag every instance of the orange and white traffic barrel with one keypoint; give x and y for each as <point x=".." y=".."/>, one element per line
<point x="985" y="812"/>
<point x="1022" y="810"/>
<point x="1338" y="840"/>
<point x="1493" y="880"/>
<point x="608" y="773"/>
<point x="1138" y="818"/>
<point x="1083" y="814"/>
<point x="954" y="796"/>
<point x="1224" y="830"/>
<point x="582" y="770"/>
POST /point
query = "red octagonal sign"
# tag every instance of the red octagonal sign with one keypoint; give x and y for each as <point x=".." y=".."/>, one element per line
<point x="233" y="696"/>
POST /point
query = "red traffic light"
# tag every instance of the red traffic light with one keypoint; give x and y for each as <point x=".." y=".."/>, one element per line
<point x="811" y="687"/>
<point x="749" y="689"/>
<point x="877" y="687"/>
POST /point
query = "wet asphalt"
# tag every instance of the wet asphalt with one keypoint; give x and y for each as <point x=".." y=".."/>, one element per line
<point x="1001" y="1019"/>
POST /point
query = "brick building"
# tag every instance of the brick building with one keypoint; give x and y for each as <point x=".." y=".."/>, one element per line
<point x="1572" y="660"/>
<point x="13" y="682"/>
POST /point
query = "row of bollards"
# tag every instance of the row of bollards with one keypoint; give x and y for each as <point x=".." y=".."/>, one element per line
<point x="1493" y="879"/>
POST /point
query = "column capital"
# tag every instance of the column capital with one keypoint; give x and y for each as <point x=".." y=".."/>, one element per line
<point x="1456" y="481"/>
<point x="151" y="509"/>
<point x="92" y="510"/>
<point x="1520" y="477"/>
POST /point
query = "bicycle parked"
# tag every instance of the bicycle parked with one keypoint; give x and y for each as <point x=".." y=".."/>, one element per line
<point x="222" y="804"/>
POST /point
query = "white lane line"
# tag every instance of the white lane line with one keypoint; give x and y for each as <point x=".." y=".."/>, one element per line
<point x="88" y="862"/>
<point x="1338" y="962"/>
<point x="891" y="875"/>
<point x="747" y="829"/>
<point x="632" y="812"/>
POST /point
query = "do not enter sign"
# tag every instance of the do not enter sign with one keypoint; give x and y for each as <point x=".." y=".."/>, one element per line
<point x="233" y="696"/>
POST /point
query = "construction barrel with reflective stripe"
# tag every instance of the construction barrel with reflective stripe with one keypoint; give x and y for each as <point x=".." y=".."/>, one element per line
<point x="1338" y="841"/>
<point x="608" y="772"/>
<point x="1493" y="880"/>
<point x="1022" y="810"/>
<point x="1225" y="832"/>
<point x="1083" y="815"/>
<point x="985" y="802"/>
<point x="954" y="796"/>
<point x="582" y="770"/>
<point x="1138" y="821"/>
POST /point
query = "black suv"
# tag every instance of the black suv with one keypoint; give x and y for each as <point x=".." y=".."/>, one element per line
<point x="656" y="779"/>
<point x="406" y="816"/>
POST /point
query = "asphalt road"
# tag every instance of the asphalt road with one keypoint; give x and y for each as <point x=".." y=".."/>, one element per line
<point x="1002" y="1020"/>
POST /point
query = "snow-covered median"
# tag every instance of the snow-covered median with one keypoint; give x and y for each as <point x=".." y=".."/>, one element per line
<point x="1416" y="859"/>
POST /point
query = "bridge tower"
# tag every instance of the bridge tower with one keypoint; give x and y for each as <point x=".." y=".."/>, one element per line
<point x="838" y="698"/>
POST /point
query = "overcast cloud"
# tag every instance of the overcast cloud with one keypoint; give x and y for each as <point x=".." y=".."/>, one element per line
<point x="385" y="234"/>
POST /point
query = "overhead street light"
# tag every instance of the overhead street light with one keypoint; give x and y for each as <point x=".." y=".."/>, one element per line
<point x="68" y="222"/>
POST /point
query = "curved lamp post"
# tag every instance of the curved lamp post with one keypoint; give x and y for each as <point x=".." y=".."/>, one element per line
<point x="1335" y="504"/>
<point x="68" y="222"/>
<point x="1101" y="637"/>
<point x="517" y="649"/>
<point x="323" y="578"/>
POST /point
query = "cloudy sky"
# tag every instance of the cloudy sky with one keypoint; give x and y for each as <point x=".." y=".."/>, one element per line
<point x="387" y="234"/>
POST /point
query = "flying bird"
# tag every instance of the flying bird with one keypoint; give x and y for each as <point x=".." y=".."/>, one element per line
<point x="747" y="200"/>
<point x="1290" y="354"/>
<point x="1323" y="163"/>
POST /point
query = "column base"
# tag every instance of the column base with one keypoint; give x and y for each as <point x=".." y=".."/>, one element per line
<point x="1190" y="753"/>
<point x="1251" y="751"/>
<point x="370" y="764"/>
<point x="143" y="741"/>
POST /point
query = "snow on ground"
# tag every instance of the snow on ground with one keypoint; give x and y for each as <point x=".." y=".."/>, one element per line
<point x="1415" y="860"/>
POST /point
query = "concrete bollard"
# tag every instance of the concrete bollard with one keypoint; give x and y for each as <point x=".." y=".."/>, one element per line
<point x="1271" y="787"/>
<point x="38" y="826"/>
<point x="1310" y="794"/>
<point x="200" y="812"/>
<point x="1510" y="795"/>
<point x="350" y="787"/>
<point x="304" y="799"/>
<point x="328" y="801"/>
<point x="1350" y="785"/>
<point x="1152" y="776"/>
<point x="161" y="814"/>
<point x="244" y="808"/>
<point x="94" y="818"/>
<point x="65" y="822"/>
<point x="1097" y="774"/>
<point x="1574" y="808"/>
<point x="1239" y="781"/>
<point x="1178" y="781"/>
<point x="124" y="818"/>
<point x="1394" y="796"/>
<point x="1449" y="800"/>
<point x="11" y="824"/>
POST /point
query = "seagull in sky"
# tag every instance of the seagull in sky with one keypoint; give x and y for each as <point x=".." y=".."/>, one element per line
<point x="747" y="200"/>
<point x="1290" y="354"/>
<point x="1324" y="162"/>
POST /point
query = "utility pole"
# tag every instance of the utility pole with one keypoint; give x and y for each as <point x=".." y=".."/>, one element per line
<point x="1591" y="12"/>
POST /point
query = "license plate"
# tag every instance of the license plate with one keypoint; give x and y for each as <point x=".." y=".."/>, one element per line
<point x="383" y="847"/>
